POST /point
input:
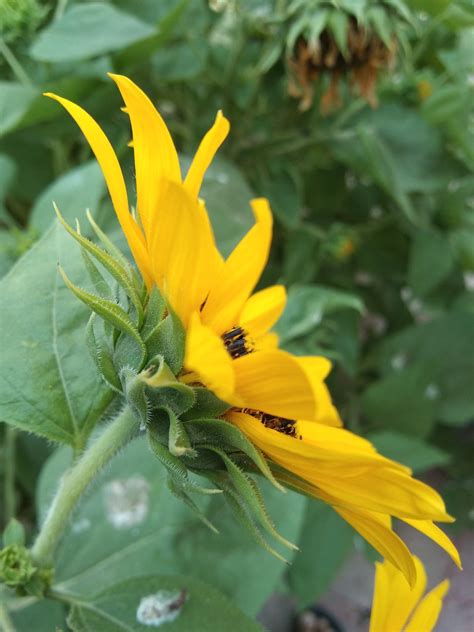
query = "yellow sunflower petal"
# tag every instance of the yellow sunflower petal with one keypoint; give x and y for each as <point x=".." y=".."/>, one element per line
<point x="207" y="357"/>
<point x="240" y="273"/>
<point x="110" y="166"/>
<point x="205" y="153"/>
<point x="394" y="600"/>
<point x="273" y="382"/>
<point x="262" y="310"/>
<point x="155" y="153"/>
<point x="433" y="532"/>
<point x="377" y="530"/>
<point x="427" y="613"/>
<point x="181" y="250"/>
<point x="269" y="340"/>
<point x="317" y="368"/>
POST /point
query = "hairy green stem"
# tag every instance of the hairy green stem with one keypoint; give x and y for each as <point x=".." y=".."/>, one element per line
<point x="9" y="473"/>
<point x="77" y="479"/>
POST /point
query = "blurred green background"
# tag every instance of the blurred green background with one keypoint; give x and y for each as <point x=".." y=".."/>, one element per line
<point x="354" y="117"/>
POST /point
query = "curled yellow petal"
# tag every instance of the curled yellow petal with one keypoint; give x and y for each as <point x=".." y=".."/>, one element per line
<point x="205" y="153"/>
<point x="262" y="310"/>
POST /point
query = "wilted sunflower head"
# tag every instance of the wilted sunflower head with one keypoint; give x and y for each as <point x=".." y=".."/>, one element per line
<point x="190" y="347"/>
<point x="351" y="43"/>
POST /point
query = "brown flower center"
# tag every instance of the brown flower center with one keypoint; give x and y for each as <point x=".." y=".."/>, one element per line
<point x="237" y="343"/>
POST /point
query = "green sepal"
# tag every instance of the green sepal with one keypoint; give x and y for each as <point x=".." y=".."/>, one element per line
<point x="164" y="389"/>
<point x="19" y="572"/>
<point x="242" y="514"/>
<point x="176" y="469"/>
<point x="109" y="246"/>
<point x="154" y="312"/>
<point x="109" y="311"/>
<point x="100" y="284"/>
<point x="226" y="435"/>
<point x="338" y="24"/>
<point x="168" y="339"/>
<point x="102" y="357"/>
<point x="379" y="20"/>
<point x="250" y="494"/>
<point x="118" y="271"/>
<point x="14" y="533"/>
<point x="206" y="406"/>
<point x="134" y="391"/>
<point x="179" y="492"/>
<point x="178" y="440"/>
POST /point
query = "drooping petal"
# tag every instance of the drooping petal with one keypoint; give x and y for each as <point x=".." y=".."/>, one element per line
<point x="155" y="154"/>
<point x="207" y="357"/>
<point x="433" y="532"/>
<point x="427" y="613"/>
<point x="181" y="250"/>
<point x="273" y="382"/>
<point x="240" y="273"/>
<point x="377" y="530"/>
<point x="262" y="310"/>
<point x="110" y="166"/>
<point x="394" y="600"/>
<point x="205" y="153"/>
<point x="317" y="368"/>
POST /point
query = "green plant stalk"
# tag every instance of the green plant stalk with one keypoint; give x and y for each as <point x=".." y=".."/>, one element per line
<point x="9" y="480"/>
<point x="6" y="623"/>
<point x="77" y="479"/>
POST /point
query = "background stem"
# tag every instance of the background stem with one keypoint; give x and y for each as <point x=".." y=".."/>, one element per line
<point x="6" y="624"/>
<point x="77" y="479"/>
<point x="9" y="472"/>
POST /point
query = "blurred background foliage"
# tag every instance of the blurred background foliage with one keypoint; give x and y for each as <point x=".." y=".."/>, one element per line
<point x="354" y="117"/>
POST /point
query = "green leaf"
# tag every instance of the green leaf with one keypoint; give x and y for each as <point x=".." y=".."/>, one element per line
<point x="325" y="543"/>
<point x="441" y="354"/>
<point x="74" y="192"/>
<point x="306" y="306"/>
<point x="180" y="61"/>
<point x="431" y="261"/>
<point x="48" y="383"/>
<point x="130" y="525"/>
<point x="338" y="24"/>
<point x="86" y="31"/>
<point x="110" y="312"/>
<point x="15" y="99"/>
<point x="402" y="402"/>
<point x="187" y="604"/>
<point x="227" y="196"/>
<point x="14" y="533"/>
<point x="43" y="615"/>
<point x="410" y="451"/>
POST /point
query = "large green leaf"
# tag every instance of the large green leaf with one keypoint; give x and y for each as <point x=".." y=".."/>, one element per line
<point x="74" y="192"/>
<point x="41" y="616"/>
<point x="15" y="100"/>
<point x="132" y="525"/>
<point x="87" y="30"/>
<point x="143" y="602"/>
<point x="308" y="304"/>
<point x="48" y="383"/>
<point x="326" y="541"/>
<point x="410" y="451"/>
<point x="431" y="261"/>
<point x="441" y="355"/>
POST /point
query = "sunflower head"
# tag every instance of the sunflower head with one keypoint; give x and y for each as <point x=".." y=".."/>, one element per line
<point x="350" y="43"/>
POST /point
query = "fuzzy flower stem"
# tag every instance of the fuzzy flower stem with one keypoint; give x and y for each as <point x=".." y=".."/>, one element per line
<point x="77" y="479"/>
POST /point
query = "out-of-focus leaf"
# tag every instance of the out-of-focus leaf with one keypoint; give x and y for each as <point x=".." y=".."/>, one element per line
<point x="430" y="261"/>
<point x="411" y="451"/>
<point x="463" y="245"/>
<point x="432" y="7"/>
<point x="179" y="62"/>
<point x="306" y="306"/>
<point x="15" y="99"/>
<point x="441" y="355"/>
<point x="131" y="525"/>
<point x="41" y="616"/>
<point x="87" y="30"/>
<point x="134" y="606"/>
<point x="325" y="542"/>
<point x="74" y="192"/>
<point x="227" y="197"/>
<point x="48" y="385"/>
<point x="402" y="402"/>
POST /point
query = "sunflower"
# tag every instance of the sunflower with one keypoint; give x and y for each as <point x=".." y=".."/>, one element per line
<point x="400" y="608"/>
<point x="278" y="400"/>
